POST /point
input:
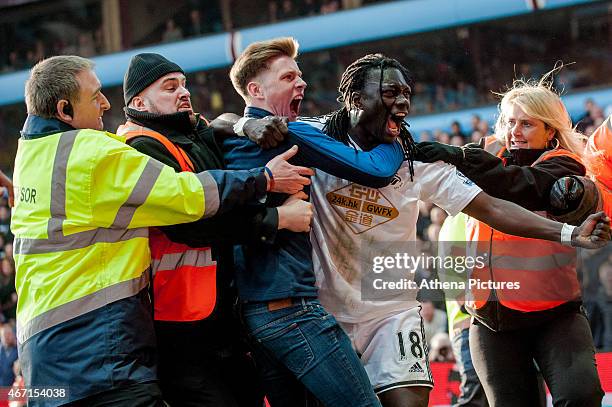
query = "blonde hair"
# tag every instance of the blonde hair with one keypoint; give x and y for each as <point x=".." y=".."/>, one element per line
<point x="538" y="100"/>
<point x="52" y="80"/>
<point x="256" y="58"/>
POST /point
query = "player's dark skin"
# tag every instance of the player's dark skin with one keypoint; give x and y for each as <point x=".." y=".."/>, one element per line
<point x="369" y="116"/>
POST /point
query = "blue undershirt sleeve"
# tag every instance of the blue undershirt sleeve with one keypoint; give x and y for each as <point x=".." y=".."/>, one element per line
<point x="374" y="168"/>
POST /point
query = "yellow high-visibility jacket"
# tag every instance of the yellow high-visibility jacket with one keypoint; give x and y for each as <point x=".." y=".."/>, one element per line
<point x="84" y="202"/>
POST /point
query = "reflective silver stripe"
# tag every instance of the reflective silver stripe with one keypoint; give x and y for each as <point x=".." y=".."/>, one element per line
<point x="172" y="261"/>
<point x="540" y="263"/>
<point x="76" y="241"/>
<point x="211" y="194"/>
<point x="81" y="306"/>
<point x="58" y="184"/>
<point x="139" y="194"/>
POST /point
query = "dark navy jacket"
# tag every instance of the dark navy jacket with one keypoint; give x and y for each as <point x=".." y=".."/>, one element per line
<point x="284" y="269"/>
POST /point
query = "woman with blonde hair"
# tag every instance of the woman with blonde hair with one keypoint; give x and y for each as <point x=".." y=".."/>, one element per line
<point x="538" y="101"/>
<point x="535" y="160"/>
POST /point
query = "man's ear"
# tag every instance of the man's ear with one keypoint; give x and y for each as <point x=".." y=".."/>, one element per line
<point x="355" y="100"/>
<point x="138" y="103"/>
<point x="64" y="111"/>
<point x="254" y="90"/>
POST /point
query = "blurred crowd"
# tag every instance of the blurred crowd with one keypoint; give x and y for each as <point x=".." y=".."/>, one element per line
<point x="456" y="68"/>
<point x="8" y="297"/>
<point x="63" y="29"/>
<point x="586" y="122"/>
<point x="10" y="373"/>
<point x="28" y="41"/>
<point x="87" y="44"/>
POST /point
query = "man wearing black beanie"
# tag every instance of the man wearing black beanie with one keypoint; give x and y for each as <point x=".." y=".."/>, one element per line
<point x="145" y="69"/>
<point x="201" y="357"/>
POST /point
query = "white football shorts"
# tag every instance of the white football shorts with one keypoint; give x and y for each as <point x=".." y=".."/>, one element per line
<point x="393" y="350"/>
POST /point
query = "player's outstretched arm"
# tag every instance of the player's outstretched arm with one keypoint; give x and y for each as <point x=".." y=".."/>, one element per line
<point x="510" y="218"/>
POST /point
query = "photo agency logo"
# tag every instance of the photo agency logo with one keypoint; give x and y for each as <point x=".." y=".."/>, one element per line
<point x="517" y="271"/>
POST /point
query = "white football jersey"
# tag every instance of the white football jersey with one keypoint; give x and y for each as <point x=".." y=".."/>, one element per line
<point x="353" y="223"/>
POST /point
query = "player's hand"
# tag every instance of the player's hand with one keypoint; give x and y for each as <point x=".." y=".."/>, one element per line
<point x="6" y="183"/>
<point x="295" y="214"/>
<point x="267" y="132"/>
<point x="287" y="178"/>
<point x="593" y="233"/>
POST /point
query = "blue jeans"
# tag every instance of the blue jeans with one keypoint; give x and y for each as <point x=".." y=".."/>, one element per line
<point x="302" y="349"/>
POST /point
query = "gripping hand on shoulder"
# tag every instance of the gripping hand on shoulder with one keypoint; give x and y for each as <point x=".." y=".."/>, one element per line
<point x="566" y="193"/>
<point x="267" y="132"/>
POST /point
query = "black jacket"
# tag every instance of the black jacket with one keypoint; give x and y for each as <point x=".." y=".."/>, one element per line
<point x="517" y="182"/>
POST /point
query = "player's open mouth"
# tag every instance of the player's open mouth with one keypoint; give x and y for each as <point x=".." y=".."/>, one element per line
<point x="294" y="106"/>
<point x="394" y="124"/>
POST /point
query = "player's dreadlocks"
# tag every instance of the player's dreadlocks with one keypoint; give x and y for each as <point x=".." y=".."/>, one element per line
<point x="353" y="79"/>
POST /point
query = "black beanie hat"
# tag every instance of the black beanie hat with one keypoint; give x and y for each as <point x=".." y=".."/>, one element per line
<point x="145" y="69"/>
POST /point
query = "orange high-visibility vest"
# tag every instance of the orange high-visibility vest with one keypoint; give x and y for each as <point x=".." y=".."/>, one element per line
<point x="184" y="282"/>
<point x="598" y="160"/>
<point x="544" y="270"/>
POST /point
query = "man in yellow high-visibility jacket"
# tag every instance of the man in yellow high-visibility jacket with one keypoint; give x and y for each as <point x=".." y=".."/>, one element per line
<point x="83" y="203"/>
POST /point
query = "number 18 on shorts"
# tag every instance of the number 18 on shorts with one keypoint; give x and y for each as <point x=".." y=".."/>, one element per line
<point x="393" y="350"/>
